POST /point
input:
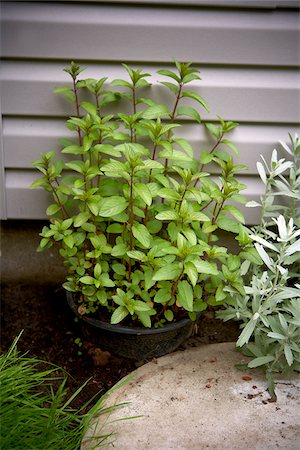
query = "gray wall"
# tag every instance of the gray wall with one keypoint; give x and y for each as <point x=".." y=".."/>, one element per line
<point x="248" y="56"/>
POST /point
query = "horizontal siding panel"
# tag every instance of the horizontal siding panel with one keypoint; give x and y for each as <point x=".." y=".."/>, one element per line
<point x="25" y="139"/>
<point x="254" y="95"/>
<point x="26" y="203"/>
<point x="141" y="33"/>
<point x="269" y="4"/>
<point x="249" y="61"/>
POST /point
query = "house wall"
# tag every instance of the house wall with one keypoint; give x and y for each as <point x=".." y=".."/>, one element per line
<point x="248" y="54"/>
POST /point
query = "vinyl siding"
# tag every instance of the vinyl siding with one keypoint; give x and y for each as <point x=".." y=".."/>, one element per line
<point x="249" y="62"/>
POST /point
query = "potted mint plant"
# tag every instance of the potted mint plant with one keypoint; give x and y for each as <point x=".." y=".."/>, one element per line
<point x="135" y="213"/>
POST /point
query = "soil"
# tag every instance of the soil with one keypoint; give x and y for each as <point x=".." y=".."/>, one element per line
<point x="50" y="333"/>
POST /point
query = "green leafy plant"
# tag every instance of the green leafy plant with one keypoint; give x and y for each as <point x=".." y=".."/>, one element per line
<point x="35" y="415"/>
<point x="270" y="311"/>
<point x="135" y="213"/>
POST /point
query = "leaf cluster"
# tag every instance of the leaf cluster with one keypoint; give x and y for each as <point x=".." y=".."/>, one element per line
<point x="135" y="213"/>
<point x="270" y="311"/>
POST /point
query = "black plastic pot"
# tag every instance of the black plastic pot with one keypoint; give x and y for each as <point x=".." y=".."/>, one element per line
<point x="136" y="343"/>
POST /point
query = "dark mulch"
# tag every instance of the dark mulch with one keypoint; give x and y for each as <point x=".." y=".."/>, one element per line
<point x="50" y="333"/>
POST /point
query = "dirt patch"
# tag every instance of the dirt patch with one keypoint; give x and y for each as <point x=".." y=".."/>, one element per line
<point x="50" y="333"/>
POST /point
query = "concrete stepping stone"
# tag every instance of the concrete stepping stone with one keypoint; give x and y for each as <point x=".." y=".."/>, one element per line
<point x="197" y="399"/>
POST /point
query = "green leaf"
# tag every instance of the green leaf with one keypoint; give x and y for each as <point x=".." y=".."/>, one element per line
<point x="115" y="228"/>
<point x="173" y="87"/>
<point x="150" y="164"/>
<point x="191" y="271"/>
<point x="220" y="294"/>
<point x="98" y="240"/>
<point x="144" y="318"/>
<point x="198" y="216"/>
<point x="155" y="111"/>
<point x="154" y="226"/>
<point x="214" y="130"/>
<point x="119" y="314"/>
<point x="136" y="254"/>
<point x="81" y="218"/>
<point x="111" y="206"/>
<point x="175" y="155"/>
<point x="250" y="254"/>
<point x="185" y="295"/>
<point x="119" y="268"/>
<point x="66" y="223"/>
<point x="170" y="74"/>
<point x="168" y="215"/>
<point x="162" y="296"/>
<point x="40" y="182"/>
<point x="52" y="209"/>
<point x="190" y="77"/>
<point x="115" y="168"/>
<point x="107" y="149"/>
<point x="144" y="192"/>
<point x="231" y="145"/>
<point x="141" y="233"/>
<point x="169" y="315"/>
<point x="206" y="267"/>
<point x="69" y="241"/>
<point x="119" y="82"/>
<point x="169" y="272"/>
<point x="73" y="150"/>
<point x="93" y="207"/>
<point x="87" y="280"/>
<point x="185" y="145"/>
<point x="89" y="107"/>
<point x="228" y="224"/>
<point x="206" y="157"/>
<point x="65" y="92"/>
<point x="235" y="212"/>
<point x="119" y="250"/>
<point x="78" y="166"/>
<point x="141" y="306"/>
<point x="97" y="271"/>
<point x="189" y="112"/>
<point x="149" y="282"/>
<point x="196" y="97"/>
<point x="169" y="194"/>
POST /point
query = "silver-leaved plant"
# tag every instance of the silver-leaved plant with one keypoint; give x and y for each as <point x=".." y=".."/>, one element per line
<point x="270" y="311"/>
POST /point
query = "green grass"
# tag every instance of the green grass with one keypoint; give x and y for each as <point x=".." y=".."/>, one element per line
<point x="34" y="415"/>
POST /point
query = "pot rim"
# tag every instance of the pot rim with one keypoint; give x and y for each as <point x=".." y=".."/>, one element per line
<point x="116" y="328"/>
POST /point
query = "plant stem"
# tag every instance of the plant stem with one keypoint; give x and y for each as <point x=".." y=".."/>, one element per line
<point x="150" y="172"/>
<point x="172" y="117"/>
<point x="131" y="220"/>
<point x="57" y="199"/>
<point x="133" y="135"/>
<point x="182" y="198"/>
<point x="217" y="143"/>
<point x="174" y="287"/>
<point x="75" y="90"/>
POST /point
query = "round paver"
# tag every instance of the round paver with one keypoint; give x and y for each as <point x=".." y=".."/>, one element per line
<point x="198" y="399"/>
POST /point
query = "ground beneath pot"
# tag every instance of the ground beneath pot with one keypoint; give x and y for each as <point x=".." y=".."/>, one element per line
<point x="50" y="333"/>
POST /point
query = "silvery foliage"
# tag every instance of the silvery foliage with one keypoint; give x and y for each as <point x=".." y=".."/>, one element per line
<point x="282" y="185"/>
<point x="270" y="311"/>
